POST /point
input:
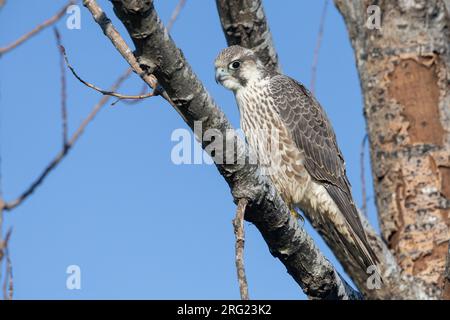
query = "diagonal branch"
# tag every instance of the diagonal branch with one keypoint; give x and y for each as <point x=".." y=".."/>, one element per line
<point x="37" y="29"/>
<point x="266" y="209"/>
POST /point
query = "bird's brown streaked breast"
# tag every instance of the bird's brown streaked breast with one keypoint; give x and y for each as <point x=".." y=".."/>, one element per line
<point x="275" y="150"/>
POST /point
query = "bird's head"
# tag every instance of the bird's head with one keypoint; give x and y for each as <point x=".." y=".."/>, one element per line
<point x="236" y="67"/>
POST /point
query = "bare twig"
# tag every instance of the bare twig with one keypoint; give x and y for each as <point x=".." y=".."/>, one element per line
<point x="362" y="175"/>
<point x="317" y="48"/>
<point x="119" y="43"/>
<point x="8" y="283"/>
<point x="63" y="88"/>
<point x="37" y="29"/>
<point x="2" y="209"/>
<point x="238" y="224"/>
<point x="175" y="14"/>
<point x="61" y="154"/>
<point x="104" y="92"/>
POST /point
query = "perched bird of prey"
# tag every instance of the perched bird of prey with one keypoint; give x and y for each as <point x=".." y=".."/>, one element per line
<point x="293" y="140"/>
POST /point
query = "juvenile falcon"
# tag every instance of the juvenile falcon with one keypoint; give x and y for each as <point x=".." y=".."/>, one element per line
<point x="296" y="146"/>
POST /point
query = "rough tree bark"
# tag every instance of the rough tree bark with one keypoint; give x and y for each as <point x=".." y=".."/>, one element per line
<point x="404" y="69"/>
<point x="158" y="54"/>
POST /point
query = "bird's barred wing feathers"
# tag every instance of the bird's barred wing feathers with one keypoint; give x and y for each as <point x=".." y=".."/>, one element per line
<point x="312" y="132"/>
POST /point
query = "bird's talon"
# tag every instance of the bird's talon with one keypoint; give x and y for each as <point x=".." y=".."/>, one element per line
<point x="297" y="216"/>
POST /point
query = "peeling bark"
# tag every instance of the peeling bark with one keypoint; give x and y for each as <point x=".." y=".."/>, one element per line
<point x="244" y="23"/>
<point x="404" y="69"/>
<point x="158" y="54"/>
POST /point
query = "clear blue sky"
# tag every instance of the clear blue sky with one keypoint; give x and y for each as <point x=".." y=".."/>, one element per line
<point x="139" y="226"/>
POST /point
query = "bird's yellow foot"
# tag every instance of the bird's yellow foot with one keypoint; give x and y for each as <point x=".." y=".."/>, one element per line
<point x="297" y="216"/>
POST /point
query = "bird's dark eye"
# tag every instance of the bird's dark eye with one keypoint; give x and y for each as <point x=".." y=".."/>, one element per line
<point x="235" y="65"/>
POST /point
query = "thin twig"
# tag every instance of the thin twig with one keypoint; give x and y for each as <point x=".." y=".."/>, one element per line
<point x="37" y="29"/>
<point x="175" y="14"/>
<point x="119" y="43"/>
<point x="317" y="48"/>
<point x="8" y="283"/>
<point x="104" y="92"/>
<point x="62" y="153"/>
<point x="238" y="224"/>
<point x="362" y="175"/>
<point x="63" y="88"/>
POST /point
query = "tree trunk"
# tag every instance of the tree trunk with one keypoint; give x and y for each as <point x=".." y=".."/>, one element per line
<point x="404" y="69"/>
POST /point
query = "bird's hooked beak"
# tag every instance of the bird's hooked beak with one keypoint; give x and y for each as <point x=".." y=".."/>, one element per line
<point x="221" y="75"/>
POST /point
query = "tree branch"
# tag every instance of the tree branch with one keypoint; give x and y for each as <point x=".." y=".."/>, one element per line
<point x="238" y="224"/>
<point x="37" y="29"/>
<point x="244" y="23"/>
<point x="266" y="210"/>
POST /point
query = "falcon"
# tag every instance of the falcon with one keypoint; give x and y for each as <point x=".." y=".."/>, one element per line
<point x="292" y="139"/>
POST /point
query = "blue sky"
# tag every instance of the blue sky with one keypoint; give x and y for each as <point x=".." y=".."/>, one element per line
<point x="138" y="226"/>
